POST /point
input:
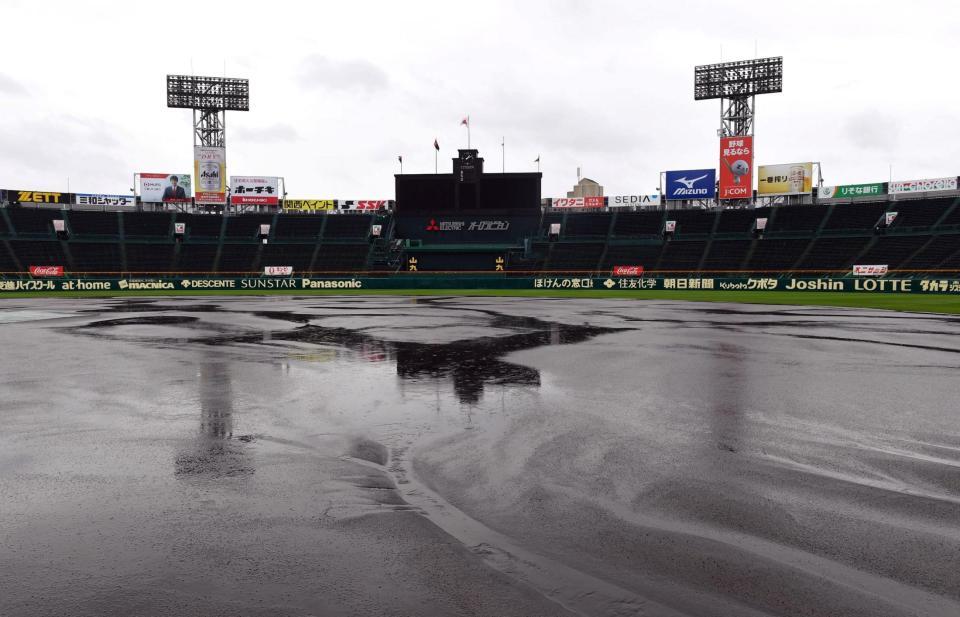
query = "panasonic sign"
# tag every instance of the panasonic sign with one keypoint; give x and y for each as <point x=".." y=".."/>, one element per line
<point x="691" y="184"/>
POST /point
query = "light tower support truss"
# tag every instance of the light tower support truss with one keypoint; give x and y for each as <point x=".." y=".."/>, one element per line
<point x="209" y="98"/>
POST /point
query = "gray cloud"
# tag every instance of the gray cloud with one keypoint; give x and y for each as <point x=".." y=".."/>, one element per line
<point x="273" y="134"/>
<point x="323" y="72"/>
<point x="11" y="86"/>
<point x="872" y="130"/>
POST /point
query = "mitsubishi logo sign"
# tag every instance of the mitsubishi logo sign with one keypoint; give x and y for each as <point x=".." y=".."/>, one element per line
<point x="481" y="225"/>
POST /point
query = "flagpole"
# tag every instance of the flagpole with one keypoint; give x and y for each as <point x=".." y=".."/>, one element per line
<point x="503" y="155"/>
<point x="468" y="131"/>
<point x="435" y="154"/>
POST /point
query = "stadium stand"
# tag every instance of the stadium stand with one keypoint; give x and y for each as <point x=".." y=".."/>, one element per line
<point x="347" y="226"/>
<point x="855" y="216"/>
<point x="96" y="256"/>
<point x="147" y="224"/>
<point x="638" y="224"/>
<point x="821" y="238"/>
<point x="302" y="226"/>
<point x="797" y="219"/>
<point x="94" y="224"/>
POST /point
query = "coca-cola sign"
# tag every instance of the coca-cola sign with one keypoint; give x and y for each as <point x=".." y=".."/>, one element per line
<point x="46" y="270"/>
<point x="628" y="270"/>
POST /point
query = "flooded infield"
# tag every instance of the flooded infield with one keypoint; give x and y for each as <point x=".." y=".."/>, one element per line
<point x="476" y="456"/>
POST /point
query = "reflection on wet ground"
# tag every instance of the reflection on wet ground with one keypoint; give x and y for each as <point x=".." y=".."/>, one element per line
<point x="346" y="456"/>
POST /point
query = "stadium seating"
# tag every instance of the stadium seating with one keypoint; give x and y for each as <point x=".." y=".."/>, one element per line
<point x="678" y="255"/>
<point x="635" y="224"/>
<point x="96" y="224"/>
<point x="925" y="236"/>
<point x="299" y="226"/>
<point x="726" y="254"/>
<point x="797" y="219"/>
<point x="147" y="224"/>
<point x="96" y="256"/>
<point x="347" y="226"/>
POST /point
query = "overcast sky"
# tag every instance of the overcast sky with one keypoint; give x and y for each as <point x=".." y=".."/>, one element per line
<point x="339" y="89"/>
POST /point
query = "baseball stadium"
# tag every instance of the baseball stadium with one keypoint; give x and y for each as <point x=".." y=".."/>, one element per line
<point x="730" y="396"/>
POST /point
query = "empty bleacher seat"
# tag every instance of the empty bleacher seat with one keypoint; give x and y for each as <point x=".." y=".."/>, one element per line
<point x="893" y="250"/>
<point x="96" y="256"/>
<point x="33" y="221"/>
<point x="246" y="225"/>
<point x="580" y="256"/>
<point x="238" y="258"/>
<point x="94" y="223"/>
<point x="776" y="254"/>
<point x="855" y="216"/>
<point x="588" y="225"/>
<point x="833" y="253"/>
<point x="7" y="264"/>
<point x="201" y="225"/>
<point x="691" y="222"/>
<point x="919" y="213"/>
<point x="297" y="256"/>
<point x="682" y="256"/>
<point x="740" y="220"/>
<point x="637" y="255"/>
<point x="797" y="218"/>
<point x="633" y="224"/>
<point x="935" y="253"/>
<point x="341" y="257"/>
<point x="39" y="253"/>
<point x="149" y="257"/>
<point x="299" y="226"/>
<point x="197" y="257"/>
<point x="152" y="224"/>
<point x="347" y="226"/>
<point x="727" y="254"/>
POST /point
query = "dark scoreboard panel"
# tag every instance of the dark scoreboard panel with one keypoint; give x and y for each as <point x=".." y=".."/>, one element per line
<point x="443" y="193"/>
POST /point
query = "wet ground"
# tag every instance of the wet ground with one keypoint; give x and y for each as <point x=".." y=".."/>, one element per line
<point x="489" y="457"/>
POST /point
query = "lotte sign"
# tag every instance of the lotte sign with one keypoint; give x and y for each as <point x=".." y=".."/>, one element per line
<point x="736" y="167"/>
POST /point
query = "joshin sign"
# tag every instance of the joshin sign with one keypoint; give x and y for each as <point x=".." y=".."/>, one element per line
<point x="736" y="167"/>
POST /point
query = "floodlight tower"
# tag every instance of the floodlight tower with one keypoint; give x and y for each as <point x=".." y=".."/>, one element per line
<point x="737" y="84"/>
<point x="210" y="98"/>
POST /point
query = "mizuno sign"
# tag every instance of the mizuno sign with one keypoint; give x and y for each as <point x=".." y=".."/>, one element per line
<point x="691" y="184"/>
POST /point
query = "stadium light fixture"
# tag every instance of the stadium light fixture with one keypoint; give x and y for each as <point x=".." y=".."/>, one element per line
<point x="738" y="79"/>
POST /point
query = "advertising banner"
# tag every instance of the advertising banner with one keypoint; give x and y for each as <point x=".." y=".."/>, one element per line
<point x="736" y="167"/>
<point x="38" y="197"/>
<point x="278" y="270"/>
<point x="923" y="186"/>
<point x="46" y="270"/>
<point x="168" y="188"/>
<point x="851" y="191"/>
<point x="87" y="199"/>
<point x="889" y="218"/>
<point x="640" y="201"/>
<point x="255" y="190"/>
<point x="577" y="202"/>
<point x="790" y="179"/>
<point x="761" y="224"/>
<point x="691" y="184"/>
<point x="670" y="227"/>
<point x="307" y="205"/>
<point x="362" y="204"/>
<point x="210" y="167"/>
<point x="179" y="228"/>
<point x="871" y="270"/>
<point x="628" y="270"/>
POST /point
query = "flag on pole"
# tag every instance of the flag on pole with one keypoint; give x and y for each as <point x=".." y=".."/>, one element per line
<point x="465" y="121"/>
<point x="537" y="160"/>
<point x="400" y="158"/>
<point x="436" y="145"/>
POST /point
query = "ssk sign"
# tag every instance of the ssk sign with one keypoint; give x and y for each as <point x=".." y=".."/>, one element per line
<point x="46" y="270"/>
<point x="628" y="270"/>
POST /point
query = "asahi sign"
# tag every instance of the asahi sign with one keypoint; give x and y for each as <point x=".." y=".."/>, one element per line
<point x="924" y="186"/>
